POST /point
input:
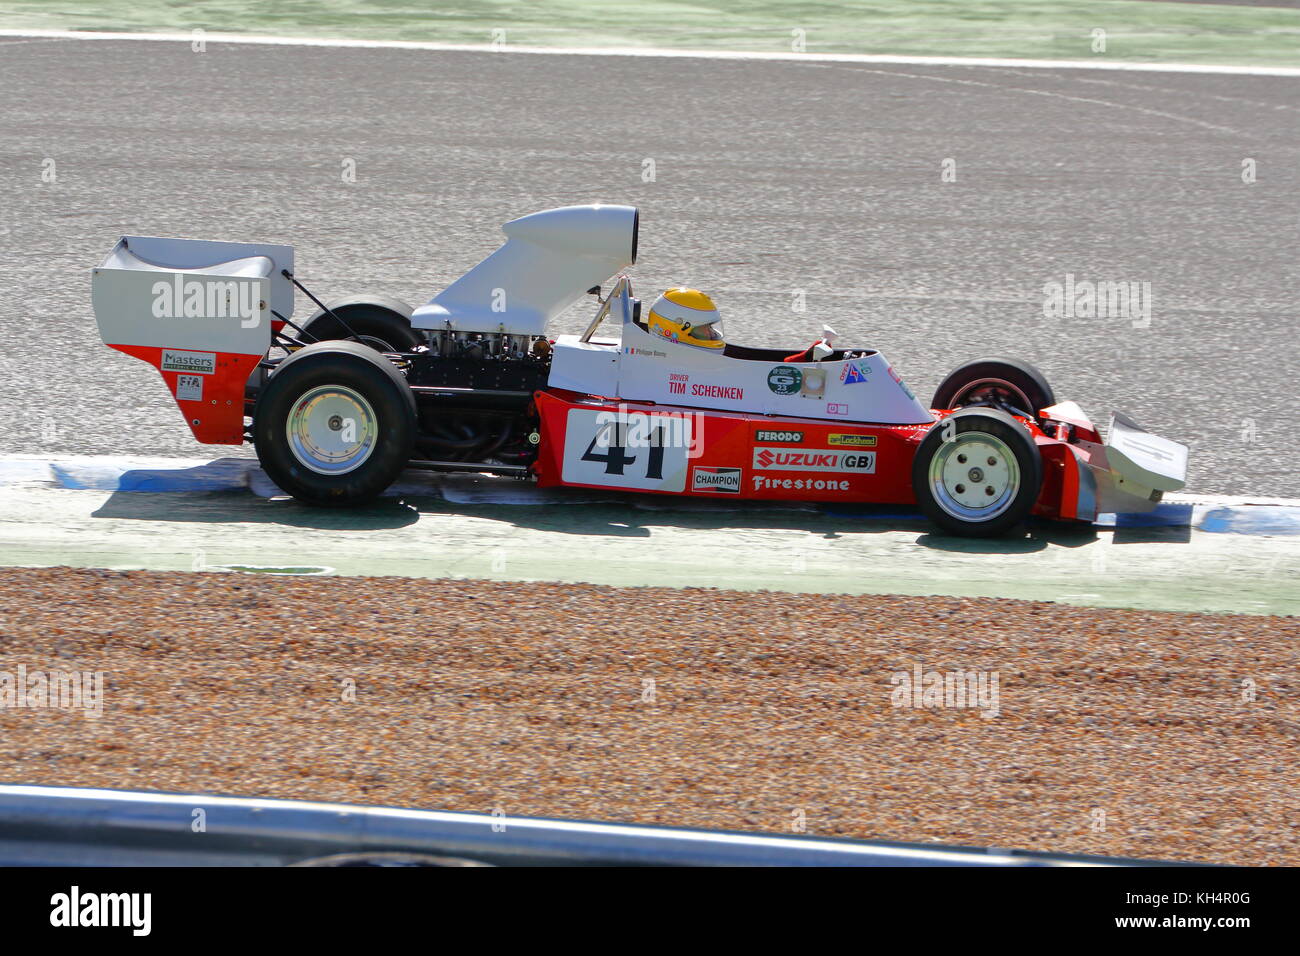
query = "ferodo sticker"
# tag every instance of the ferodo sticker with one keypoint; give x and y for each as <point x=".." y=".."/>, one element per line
<point x="782" y="459"/>
<point x="857" y="441"/>
<point x="706" y="478"/>
<point x="201" y="363"/>
<point x="773" y="435"/>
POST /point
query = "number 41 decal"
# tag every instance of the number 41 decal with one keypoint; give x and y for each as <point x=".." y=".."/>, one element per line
<point x="617" y="458"/>
<point x="626" y="450"/>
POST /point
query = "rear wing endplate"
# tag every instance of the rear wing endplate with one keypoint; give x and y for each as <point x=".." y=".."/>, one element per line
<point x="200" y="312"/>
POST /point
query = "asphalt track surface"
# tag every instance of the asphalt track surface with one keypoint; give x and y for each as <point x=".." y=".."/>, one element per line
<point x="769" y="177"/>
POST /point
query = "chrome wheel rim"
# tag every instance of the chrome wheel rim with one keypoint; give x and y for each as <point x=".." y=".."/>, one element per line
<point x="974" y="477"/>
<point x="332" y="430"/>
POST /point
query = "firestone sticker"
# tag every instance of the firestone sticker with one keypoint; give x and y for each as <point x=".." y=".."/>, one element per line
<point x="800" y="484"/>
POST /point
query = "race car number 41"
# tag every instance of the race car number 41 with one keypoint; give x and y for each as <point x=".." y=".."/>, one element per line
<point x="627" y="449"/>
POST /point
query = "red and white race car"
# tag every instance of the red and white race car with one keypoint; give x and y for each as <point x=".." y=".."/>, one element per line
<point x="470" y="381"/>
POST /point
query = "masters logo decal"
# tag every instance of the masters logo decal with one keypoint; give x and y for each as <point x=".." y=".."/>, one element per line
<point x="204" y="363"/>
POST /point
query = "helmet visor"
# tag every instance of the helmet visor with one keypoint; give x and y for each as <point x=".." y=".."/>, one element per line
<point x="711" y="332"/>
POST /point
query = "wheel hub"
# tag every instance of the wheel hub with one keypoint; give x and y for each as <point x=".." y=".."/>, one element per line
<point x="974" y="493"/>
<point x="331" y="429"/>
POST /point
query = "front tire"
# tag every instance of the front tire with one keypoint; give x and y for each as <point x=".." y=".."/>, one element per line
<point x="335" y="424"/>
<point x="977" y="473"/>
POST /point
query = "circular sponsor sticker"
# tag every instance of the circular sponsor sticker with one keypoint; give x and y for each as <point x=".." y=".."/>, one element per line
<point x="785" y="380"/>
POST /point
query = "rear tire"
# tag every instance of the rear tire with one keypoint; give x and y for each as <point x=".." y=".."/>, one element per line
<point x="335" y="425"/>
<point x="381" y="323"/>
<point x="1008" y="384"/>
<point x="977" y="473"/>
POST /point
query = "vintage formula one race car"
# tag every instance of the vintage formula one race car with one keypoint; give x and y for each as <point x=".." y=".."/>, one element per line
<point x="337" y="407"/>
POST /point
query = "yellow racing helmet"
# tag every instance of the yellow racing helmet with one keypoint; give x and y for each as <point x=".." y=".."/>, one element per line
<point x="687" y="316"/>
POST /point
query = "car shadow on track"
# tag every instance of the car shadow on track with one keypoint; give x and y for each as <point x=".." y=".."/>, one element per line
<point x="224" y="507"/>
<point x="630" y="519"/>
<point x="587" y="512"/>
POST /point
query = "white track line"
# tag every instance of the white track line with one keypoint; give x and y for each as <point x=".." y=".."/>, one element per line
<point x="663" y="52"/>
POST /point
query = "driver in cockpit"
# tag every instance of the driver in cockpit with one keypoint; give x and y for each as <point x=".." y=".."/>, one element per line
<point x="687" y="316"/>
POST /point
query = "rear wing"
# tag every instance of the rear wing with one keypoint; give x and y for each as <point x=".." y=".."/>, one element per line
<point x="198" y="311"/>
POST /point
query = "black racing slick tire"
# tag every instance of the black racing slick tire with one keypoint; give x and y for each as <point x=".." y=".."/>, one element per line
<point x="383" y="324"/>
<point x="995" y="382"/>
<point x="335" y="425"/>
<point x="977" y="473"/>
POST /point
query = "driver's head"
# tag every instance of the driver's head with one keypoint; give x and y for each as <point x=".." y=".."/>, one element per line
<point x="687" y="316"/>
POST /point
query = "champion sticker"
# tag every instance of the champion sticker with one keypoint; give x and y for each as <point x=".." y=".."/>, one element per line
<point x="705" y="478"/>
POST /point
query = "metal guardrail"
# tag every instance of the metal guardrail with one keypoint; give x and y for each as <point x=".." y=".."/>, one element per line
<point x="63" y="826"/>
